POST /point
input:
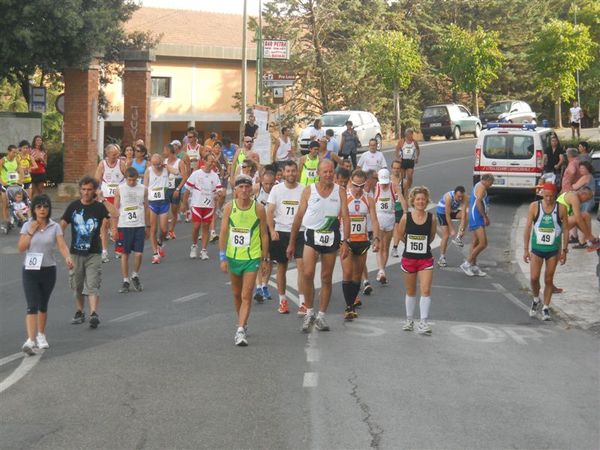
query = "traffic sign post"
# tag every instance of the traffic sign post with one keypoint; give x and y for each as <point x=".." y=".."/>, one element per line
<point x="37" y="99"/>
<point x="274" y="80"/>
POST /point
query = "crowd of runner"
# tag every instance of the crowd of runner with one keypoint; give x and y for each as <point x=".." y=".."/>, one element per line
<point x="318" y="208"/>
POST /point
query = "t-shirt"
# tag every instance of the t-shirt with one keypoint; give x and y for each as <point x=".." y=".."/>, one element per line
<point x="333" y="145"/>
<point x="287" y="203"/>
<point x="250" y="130"/>
<point x="203" y="187"/>
<point x="316" y="134"/>
<point x="43" y="241"/>
<point x="372" y="161"/>
<point x="85" y="221"/>
<point x="575" y="114"/>
<point x="350" y="142"/>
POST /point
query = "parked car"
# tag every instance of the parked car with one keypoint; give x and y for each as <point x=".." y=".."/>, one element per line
<point x="512" y="111"/>
<point x="450" y="120"/>
<point x="365" y="123"/>
<point x="513" y="153"/>
<point x="596" y="164"/>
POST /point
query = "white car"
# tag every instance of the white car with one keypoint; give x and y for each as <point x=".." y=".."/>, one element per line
<point x="513" y="153"/>
<point x="365" y="123"/>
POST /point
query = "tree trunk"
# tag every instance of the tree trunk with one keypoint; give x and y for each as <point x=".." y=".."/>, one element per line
<point x="24" y="84"/>
<point x="558" y="112"/>
<point x="320" y="67"/>
<point x="397" y="126"/>
<point x="476" y="103"/>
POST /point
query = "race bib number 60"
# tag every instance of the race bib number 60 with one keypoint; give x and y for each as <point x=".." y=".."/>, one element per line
<point x="33" y="261"/>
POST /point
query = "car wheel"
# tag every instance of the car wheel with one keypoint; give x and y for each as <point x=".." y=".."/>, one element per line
<point x="379" y="141"/>
<point x="426" y="137"/>
<point x="477" y="130"/>
<point x="456" y="133"/>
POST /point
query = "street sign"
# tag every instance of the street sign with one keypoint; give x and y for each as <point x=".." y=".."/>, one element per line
<point x="37" y="99"/>
<point x="279" y="76"/>
<point x="278" y="92"/>
<point x="278" y="83"/>
<point x="276" y="49"/>
<point x="60" y="104"/>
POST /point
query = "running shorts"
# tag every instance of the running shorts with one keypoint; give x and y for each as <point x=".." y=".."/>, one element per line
<point x="407" y="164"/>
<point x="309" y="239"/>
<point x="131" y="240"/>
<point x="202" y="215"/>
<point x="412" y="265"/>
<point x="278" y="249"/>
<point x="398" y="216"/>
<point x="442" y="218"/>
<point x="545" y="255"/>
<point x="241" y="266"/>
<point x="173" y="200"/>
<point x="110" y="200"/>
<point x="359" y="248"/>
<point x="386" y="222"/>
<point x="159" y="208"/>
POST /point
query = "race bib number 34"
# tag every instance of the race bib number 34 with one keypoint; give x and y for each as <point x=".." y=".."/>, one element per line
<point x="239" y="237"/>
<point x="416" y="243"/>
<point x="33" y="261"/>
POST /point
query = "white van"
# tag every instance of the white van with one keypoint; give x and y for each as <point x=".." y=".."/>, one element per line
<point x="513" y="153"/>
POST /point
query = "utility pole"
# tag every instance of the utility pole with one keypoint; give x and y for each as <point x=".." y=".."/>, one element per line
<point x="259" y="57"/>
<point x="244" y="71"/>
<point x="577" y="73"/>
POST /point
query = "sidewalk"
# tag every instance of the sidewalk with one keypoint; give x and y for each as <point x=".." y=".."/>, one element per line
<point x="587" y="134"/>
<point x="579" y="304"/>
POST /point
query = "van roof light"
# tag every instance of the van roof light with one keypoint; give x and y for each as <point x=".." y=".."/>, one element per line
<point x="520" y="126"/>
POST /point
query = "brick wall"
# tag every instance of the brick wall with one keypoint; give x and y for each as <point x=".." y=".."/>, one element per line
<point x="137" y="90"/>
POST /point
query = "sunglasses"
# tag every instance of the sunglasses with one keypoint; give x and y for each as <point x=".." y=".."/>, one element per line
<point x="359" y="186"/>
<point x="244" y="167"/>
<point x="42" y="205"/>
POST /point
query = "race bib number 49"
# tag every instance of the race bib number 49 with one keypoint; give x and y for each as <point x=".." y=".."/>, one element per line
<point x="545" y="236"/>
<point x="416" y="243"/>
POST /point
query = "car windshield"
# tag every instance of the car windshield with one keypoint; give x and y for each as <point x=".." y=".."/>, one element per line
<point x="335" y="120"/>
<point x="596" y="164"/>
<point x="434" y="111"/>
<point x="508" y="147"/>
<point x="498" y="108"/>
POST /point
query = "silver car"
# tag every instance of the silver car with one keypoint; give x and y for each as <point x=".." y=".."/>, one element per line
<point x="511" y="111"/>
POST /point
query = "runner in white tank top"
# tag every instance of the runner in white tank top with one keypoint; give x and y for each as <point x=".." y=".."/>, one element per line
<point x="408" y="152"/>
<point x="385" y="200"/>
<point x="261" y="194"/>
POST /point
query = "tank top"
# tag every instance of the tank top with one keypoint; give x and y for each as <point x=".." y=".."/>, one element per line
<point x="283" y="150"/>
<point x="454" y="205"/>
<point x="141" y="168"/>
<point x="244" y="242"/>
<point x="131" y="208"/>
<point x="397" y="204"/>
<point x="322" y="213"/>
<point x="309" y="171"/>
<point x="229" y="152"/>
<point x="473" y="199"/>
<point x="174" y="178"/>
<point x="25" y="164"/>
<point x="157" y="185"/>
<point x="408" y="150"/>
<point x="193" y="154"/>
<point x="563" y="201"/>
<point x="262" y="197"/>
<point x="384" y="200"/>
<point x="358" y="211"/>
<point x="111" y="179"/>
<point x="41" y="166"/>
<point x="241" y="158"/>
<point x="416" y="238"/>
<point x="545" y="236"/>
<point x="10" y="172"/>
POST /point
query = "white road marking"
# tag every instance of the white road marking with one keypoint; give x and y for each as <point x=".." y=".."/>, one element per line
<point x="190" y="297"/>
<point x="11" y="358"/>
<point x="313" y="355"/>
<point x="129" y="316"/>
<point x="311" y="380"/>
<point x="26" y="365"/>
<point x="510" y="296"/>
<point x="288" y="294"/>
<point x="460" y="288"/>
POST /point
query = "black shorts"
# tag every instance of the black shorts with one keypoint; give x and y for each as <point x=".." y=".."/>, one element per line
<point x="442" y="218"/>
<point x="545" y="255"/>
<point x="38" y="177"/>
<point x="575" y="124"/>
<point x="407" y="164"/>
<point x="131" y="240"/>
<point x="398" y="216"/>
<point x="359" y="248"/>
<point x="309" y="240"/>
<point x="278" y="249"/>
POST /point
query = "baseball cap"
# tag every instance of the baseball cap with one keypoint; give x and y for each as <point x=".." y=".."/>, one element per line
<point x="384" y="176"/>
<point x="243" y="179"/>
<point x="176" y="142"/>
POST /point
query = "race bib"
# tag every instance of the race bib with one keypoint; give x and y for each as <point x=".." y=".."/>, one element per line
<point x="290" y="207"/>
<point x="311" y="173"/>
<point x="109" y="190"/>
<point x="132" y="214"/>
<point x="407" y="153"/>
<point x="545" y="236"/>
<point x="324" y="238"/>
<point x="239" y="237"/>
<point x="358" y="225"/>
<point x="33" y="261"/>
<point x="26" y="172"/>
<point x="157" y="194"/>
<point x="416" y="243"/>
<point x="384" y="205"/>
<point x="171" y="182"/>
<point x="13" y="177"/>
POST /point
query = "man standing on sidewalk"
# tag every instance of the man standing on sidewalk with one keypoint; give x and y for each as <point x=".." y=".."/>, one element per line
<point x="86" y="217"/>
<point x="575" y="114"/>
<point x="544" y="230"/>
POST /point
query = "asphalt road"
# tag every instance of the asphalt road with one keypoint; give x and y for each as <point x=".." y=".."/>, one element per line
<point x="161" y="371"/>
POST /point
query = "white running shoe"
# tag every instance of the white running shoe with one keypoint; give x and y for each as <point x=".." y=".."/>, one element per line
<point x="194" y="251"/>
<point x="477" y="271"/>
<point x="308" y="322"/>
<point x="395" y="253"/>
<point x="534" y="307"/>
<point x="458" y="241"/>
<point x="41" y="341"/>
<point x="424" y="328"/>
<point x="240" y="338"/>
<point x="203" y="254"/>
<point x="29" y="347"/>
<point x="442" y="262"/>
<point x="409" y="325"/>
<point x="466" y="268"/>
<point x="546" y="314"/>
<point x="105" y="258"/>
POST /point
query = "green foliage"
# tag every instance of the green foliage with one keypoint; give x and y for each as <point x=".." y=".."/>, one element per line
<point x="54" y="169"/>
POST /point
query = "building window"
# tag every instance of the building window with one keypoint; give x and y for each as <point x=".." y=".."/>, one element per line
<point x="161" y="87"/>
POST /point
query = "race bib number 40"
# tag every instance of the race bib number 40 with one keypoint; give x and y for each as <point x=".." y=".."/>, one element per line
<point x="324" y="238"/>
<point x="239" y="237"/>
<point x="33" y="261"/>
<point x="416" y="243"/>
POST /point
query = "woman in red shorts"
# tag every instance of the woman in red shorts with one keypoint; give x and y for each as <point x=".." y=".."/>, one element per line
<point x="417" y="231"/>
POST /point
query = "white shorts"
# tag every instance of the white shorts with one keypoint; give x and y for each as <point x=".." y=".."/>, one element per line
<point x="386" y="221"/>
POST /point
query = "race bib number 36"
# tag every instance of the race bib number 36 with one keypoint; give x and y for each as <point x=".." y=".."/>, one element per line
<point x="324" y="238"/>
<point x="33" y="261"/>
<point x="416" y="243"/>
<point x="239" y="237"/>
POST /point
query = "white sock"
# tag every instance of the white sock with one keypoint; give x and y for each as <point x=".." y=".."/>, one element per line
<point x="442" y="255"/>
<point x="424" y="305"/>
<point x="281" y="298"/>
<point x="134" y="275"/>
<point x="310" y="312"/>
<point x="320" y="315"/>
<point x="240" y="329"/>
<point x="125" y="280"/>
<point x="410" y="306"/>
<point x="536" y="299"/>
<point x="301" y="298"/>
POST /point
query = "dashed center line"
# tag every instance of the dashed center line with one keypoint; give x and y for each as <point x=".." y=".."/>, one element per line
<point x="190" y="297"/>
<point x="311" y="380"/>
<point x="129" y="316"/>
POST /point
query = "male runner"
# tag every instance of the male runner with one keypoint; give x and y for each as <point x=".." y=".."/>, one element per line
<point x="373" y="159"/>
<point x="408" y="152"/>
<point x="573" y="200"/>
<point x="204" y="185"/>
<point x="131" y="200"/>
<point x="244" y="242"/>
<point x="549" y="244"/>
<point x="478" y="220"/>
<point x="321" y="205"/>
<point x="261" y="191"/>
<point x="308" y="165"/>
<point x="451" y="206"/>
<point x="399" y="209"/>
<point x="241" y="155"/>
<point x="109" y="173"/>
<point x="283" y="204"/>
<point x="175" y="183"/>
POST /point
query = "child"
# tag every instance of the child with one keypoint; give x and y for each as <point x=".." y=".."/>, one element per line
<point x="20" y="207"/>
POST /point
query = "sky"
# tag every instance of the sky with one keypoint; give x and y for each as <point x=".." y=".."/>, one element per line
<point x="223" y="6"/>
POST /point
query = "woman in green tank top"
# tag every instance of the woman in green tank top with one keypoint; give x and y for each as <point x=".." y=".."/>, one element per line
<point x="308" y="165"/>
<point x="244" y="243"/>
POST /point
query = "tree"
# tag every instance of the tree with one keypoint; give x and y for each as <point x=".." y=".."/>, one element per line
<point x="558" y="51"/>
<point x="52" y="35"/>
<point x="394" y="58"/>
<point x="472" y="59"/>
